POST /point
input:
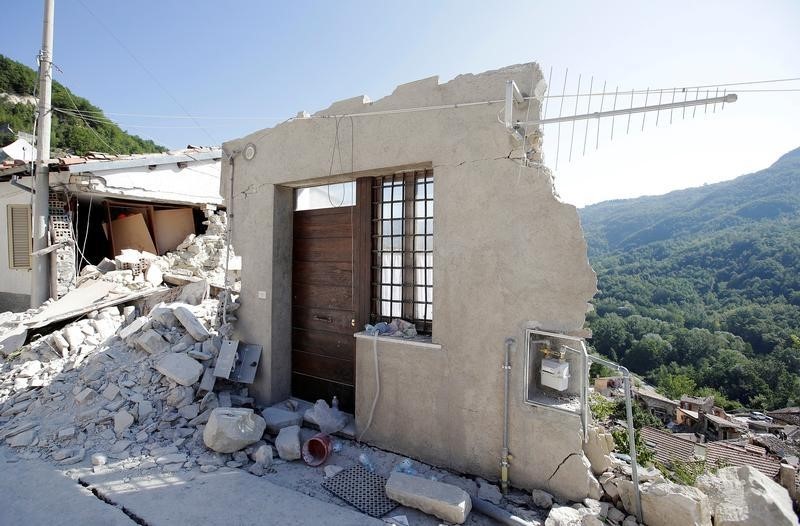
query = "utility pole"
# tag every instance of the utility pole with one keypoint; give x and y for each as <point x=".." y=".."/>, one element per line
<point x="40" y="278"/>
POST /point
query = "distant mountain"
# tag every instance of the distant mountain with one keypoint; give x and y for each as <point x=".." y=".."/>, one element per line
<point x="70" y="133"/>
<point x="714" y="273"/>
<point x="765" y="195"/>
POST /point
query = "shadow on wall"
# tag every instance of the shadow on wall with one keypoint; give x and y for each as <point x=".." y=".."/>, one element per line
<point x="14" y="302"/>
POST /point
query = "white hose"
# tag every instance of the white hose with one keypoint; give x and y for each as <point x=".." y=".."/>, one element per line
<point x="377" y="386"/>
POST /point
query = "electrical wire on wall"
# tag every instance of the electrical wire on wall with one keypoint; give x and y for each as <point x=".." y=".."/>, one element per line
<point x="338" y="149"/>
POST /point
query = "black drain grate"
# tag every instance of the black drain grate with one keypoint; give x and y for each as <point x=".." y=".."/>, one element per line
<point x="364" y="490"/>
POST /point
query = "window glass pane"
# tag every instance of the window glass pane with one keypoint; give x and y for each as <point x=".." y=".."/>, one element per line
<point x="325" y="196"/>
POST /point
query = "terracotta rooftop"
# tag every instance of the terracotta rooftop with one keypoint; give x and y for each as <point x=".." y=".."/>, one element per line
<point x="723" y="422"/>
<point x="725" y="453"/>
<point x="667" y="446"/>
<point x="648" y="393"/>
<point x="790" y="415"/>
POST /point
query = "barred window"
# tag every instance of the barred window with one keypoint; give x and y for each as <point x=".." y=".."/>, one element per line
<point x="402" y="248"/>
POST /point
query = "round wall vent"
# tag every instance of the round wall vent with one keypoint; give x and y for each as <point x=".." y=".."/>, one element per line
<point x="249" y="151"/>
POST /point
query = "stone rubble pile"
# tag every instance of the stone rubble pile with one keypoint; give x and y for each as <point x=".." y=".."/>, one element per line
<point x="197" y="257"/>
<point x="730" y="496"/>
<point x="117" y="386"/>
<point x="205" y="256"/>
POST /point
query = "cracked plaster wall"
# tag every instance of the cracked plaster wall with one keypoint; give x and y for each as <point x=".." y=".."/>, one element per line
<point x="507" y="254"/>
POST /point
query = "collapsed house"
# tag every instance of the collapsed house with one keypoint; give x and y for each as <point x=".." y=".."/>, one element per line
<point x="336" y="224"/>
<point x="101" y="205"/>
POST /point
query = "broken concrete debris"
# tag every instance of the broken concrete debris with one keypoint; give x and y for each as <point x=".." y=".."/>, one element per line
<point x="131" y="275"/>
<point x="744" y="495"/>
<point x="231" y="429"/>
<point x="181" y="368"/>
<point x="442" y="500"/>
<point x="288" y="443"/>
<point x="277" y="418"/>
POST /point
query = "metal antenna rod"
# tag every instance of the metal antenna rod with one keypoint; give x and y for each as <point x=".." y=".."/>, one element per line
<point x="602" y="99"/>
<point x="588" y="110"/>
<point x="644" y="115"/>
<point x="705" y="106"/>
<point x="614" y="107"/>
<point x="547" y="99"/>
<point x="572" y="132"/>
<point x="639" y="109"/>
<point x="724" y="92"/>
<point x="685" y="96"/>
<point x="696" y="96"/>
<point x="716" y="94"/>
<point x="673" y="101"/>
<point x="628" y="130"/>
<point x="658" y="113"/>
<point x="560" y="108"/>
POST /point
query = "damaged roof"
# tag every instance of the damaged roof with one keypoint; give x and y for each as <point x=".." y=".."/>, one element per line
<point x="98" y="161"/>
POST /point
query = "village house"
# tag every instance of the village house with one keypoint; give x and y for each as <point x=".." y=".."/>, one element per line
<point x="420" y="207"/>
<point x="99" y="205"/>
<point x="658" y="405"/>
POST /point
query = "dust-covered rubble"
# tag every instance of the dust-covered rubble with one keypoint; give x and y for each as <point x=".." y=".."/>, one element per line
<point x="131" y="273"/>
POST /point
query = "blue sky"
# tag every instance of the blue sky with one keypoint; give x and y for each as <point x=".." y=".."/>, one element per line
<point x="248" y="63"/>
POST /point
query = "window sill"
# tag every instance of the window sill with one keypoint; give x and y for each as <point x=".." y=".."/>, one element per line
<point x="419" y="341"/>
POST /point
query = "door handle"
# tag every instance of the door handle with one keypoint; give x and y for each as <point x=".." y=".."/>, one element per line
<point x="352" y="322"/>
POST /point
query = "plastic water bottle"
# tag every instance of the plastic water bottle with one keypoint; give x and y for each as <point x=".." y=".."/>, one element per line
<point x="364" y="460"/>
<point x="335" y="403"/>
<point x="405" y="466"/>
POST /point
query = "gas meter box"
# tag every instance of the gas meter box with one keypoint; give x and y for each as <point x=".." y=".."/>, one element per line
<point x="555" y="374"/>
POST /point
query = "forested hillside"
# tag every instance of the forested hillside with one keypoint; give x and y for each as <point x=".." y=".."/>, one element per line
<point x="69" y="132"/>
<point x="700" y="288"/>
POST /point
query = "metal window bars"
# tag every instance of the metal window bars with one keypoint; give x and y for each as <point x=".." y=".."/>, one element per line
<point x="402" y="248"/>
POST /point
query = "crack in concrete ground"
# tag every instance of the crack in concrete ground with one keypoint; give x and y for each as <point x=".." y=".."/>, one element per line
<point x="135" y="518"/>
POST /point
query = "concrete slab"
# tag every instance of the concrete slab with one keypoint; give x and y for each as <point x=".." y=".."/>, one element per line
<point x="32" y="492"/>
<point x="222" y="497"/>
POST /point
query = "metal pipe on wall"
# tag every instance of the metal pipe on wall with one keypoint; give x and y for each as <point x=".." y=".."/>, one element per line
<point x="505" y="457"/>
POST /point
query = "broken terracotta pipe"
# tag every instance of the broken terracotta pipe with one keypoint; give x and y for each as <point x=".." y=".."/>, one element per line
<point x="317" y="449"/>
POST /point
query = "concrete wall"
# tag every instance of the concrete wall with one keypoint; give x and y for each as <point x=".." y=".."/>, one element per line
<point x="508" y="255"/>
<point x="15" y="285"/>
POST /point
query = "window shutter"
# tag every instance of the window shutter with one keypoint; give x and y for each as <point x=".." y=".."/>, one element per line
<point x="19" y="236"/>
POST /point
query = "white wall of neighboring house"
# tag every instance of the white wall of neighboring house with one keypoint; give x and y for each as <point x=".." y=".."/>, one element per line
<point x="197" y="183"/>
<point x="13" y="281"/>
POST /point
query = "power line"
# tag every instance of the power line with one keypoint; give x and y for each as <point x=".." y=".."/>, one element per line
<point x="155" y="116"/>
<point x="146" y="70"/>
<point x="72" y="101"/>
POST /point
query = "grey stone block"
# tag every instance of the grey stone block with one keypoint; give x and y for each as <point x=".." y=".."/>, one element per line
<point x="445" y="501"/>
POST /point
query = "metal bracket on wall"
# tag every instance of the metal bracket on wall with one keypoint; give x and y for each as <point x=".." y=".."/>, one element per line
<point x="513" y="95"/>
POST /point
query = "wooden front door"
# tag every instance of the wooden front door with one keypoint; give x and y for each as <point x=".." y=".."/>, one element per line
<point x="324" y="306"/>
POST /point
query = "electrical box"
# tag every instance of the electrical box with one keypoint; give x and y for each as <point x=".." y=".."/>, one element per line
<point x="553" y="370"/>
<point x="555" y="374"/>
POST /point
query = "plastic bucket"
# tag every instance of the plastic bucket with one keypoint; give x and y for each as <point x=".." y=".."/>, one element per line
<point x="317" y="449"/>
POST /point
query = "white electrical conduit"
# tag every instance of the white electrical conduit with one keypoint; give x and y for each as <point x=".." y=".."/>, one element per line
<point x="377" y="386"/>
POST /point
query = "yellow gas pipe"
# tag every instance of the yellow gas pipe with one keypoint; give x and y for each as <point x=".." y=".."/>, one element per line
<point x="505" y="457"/>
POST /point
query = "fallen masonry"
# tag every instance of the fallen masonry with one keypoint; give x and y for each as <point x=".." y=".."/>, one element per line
<point x="110" y="404"/>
